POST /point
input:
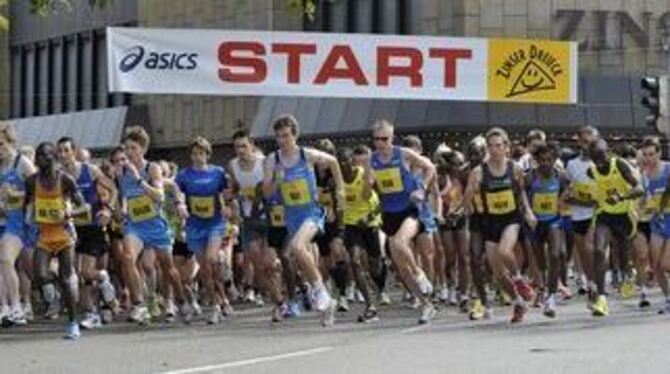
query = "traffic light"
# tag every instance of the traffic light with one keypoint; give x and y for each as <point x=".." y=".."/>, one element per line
<point x="656" y="101"/>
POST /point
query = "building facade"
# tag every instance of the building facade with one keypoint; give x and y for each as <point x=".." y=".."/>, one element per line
<point x="55" y="65"/>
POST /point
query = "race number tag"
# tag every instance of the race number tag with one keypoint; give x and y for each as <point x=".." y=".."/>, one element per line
<point x="141" y="208"/>
<point x="500" y="202"/>
<point x="388" y="180"/>
<point x="295" y="192"/>
<point x="202" y="207"/>
<point x="545" y="203"/>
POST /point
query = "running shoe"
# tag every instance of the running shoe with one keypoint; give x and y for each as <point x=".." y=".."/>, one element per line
<point x="342" y="304"/>
<point x="627" y="289"/>
<point x="328" y="314"/>
<point x="106" y="315"/>
<point x="154" y="309"/>
<point x="463" y="304"/>
<point x="600" y="308"/>
<point x="476" y="311"/>
<point x="665" y="309"/>
<point x="518" y="313"/>
<point x="370" y="315"/>
<point x="644" y="302"/>
<point x="14" y="318"/>
<point x="452" y="296"/>
<point x="278" y="312"/>
<point x="523" y="289"/>
<point x="250" y="296"/>
<point x="292" y="309"/>
<point x="139" y="314"/>
<point x="322" y="299"/>
<point x="197" y="310"/>
<point x="91" y="321"/>
<point x="28" y="311"/>
<point x="424" y="284"/>
<point x="549" y="307"/>
<point x="227" y="309"/>
<point x="428" y="311"/>
<point x="106" y="288"/>
<point x="443" y="294"/>
<point x="72" y="331"/>
<point x="384" y="299"/>
<point x="214" y="316"/>
<point x="565" y="292"/>
<point x="351" y="293"/>
<point x="186" y="312"/>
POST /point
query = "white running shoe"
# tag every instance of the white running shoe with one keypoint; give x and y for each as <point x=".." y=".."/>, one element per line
<point x="139" y="314"/>
<point x="28" y="311"/>
<point x="342" y="304"/>
<point x="549" y="307"/>
<point x="186" y="313"/>
<point x="384" y="299"/>
<point x="328" y="315"/>
<point x="427" y="313"/>
<point x="351" y="293"/>
<point x="197" y="310"/>
<point x="215" y="316"/>
<point x="443" y="294"/>
<point x="106" y="288"/>
<point x="424" y="284"/>
<point x="91" y="321"/>
<point x="452" y="298"/>
<point x="16" y="317"/>
<point x="322" y="299"/>
<point x="250" y="296"/>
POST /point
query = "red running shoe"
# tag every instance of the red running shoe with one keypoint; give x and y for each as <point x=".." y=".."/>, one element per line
<point x="524" y="290"/>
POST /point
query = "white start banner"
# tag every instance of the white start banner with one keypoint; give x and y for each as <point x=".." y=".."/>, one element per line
<point x="261" y="63"/>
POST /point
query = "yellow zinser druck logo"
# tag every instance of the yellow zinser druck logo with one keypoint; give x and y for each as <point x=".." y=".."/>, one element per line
<point x="529" y="71"/>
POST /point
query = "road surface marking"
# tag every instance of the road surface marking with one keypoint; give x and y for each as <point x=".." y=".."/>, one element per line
<point x="250" y="361"/>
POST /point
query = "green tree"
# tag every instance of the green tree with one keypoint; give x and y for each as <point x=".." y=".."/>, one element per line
<point x="45" y="8"/>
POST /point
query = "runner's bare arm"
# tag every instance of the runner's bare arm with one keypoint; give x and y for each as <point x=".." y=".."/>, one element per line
<point x="269" y="176"/>
<point x="155" y="188"/>
<point x="100" y="178"/>
<point x="368" y="181"/>
<point x="472" y="189"/>
<point x="633" y="179"/>
<point x="414" y="159"/>
<point x="523" y="196"/>
<point x="329" y="161"/>
<point x="72" y="194"/>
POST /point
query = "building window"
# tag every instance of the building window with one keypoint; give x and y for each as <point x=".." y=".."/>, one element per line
<point x="49" y="76"/>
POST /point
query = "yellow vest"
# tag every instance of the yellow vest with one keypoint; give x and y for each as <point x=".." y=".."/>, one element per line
<point x="607" y="185"/>
<point x="357" y="208"/>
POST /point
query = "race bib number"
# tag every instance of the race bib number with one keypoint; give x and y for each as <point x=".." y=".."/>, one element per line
<point x="84" y="219"/>
<point x="249" y="193"/>
<point x="295" y="192"/>
<point x="49" y="210"/>
<point x="202" y="207"/>
<point x="277" y="216"/>
<point x="325" y="199"/>
<point x="141" y="208"/>
<point x="14" y="203"/>
<point x="388" y="180"/>
<point x="500" y="202"/>
<point x="582" y="192"/>
<point x="545" y="203"/>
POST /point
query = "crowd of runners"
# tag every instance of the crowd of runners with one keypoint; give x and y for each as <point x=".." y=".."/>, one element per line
<point x="316" y="228"/>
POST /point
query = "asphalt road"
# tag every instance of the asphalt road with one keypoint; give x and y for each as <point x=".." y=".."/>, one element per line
<point x="627" y="341"/>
